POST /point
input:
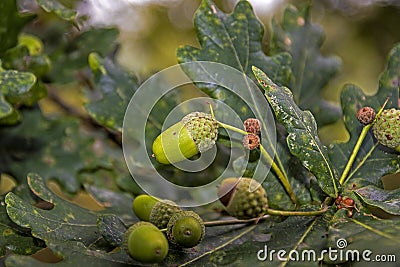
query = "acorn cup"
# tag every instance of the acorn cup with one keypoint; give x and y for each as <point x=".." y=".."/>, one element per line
<point x="387" y="128"/>
<point x="195" y="133"/>
<point x="243" y="198"/>
<point x="162" y="212"/>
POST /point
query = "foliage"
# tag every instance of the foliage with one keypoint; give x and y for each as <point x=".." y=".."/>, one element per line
<point x="81" y="150"/>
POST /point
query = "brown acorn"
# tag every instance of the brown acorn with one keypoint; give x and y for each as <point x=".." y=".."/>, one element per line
<point x="252" y="125"/>
<point x="366" y="115"/>
<point x="243" y="198"/>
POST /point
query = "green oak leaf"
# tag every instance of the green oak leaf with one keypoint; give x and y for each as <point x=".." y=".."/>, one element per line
<point x="5" y="108"/>
<point x="65" y="221"/>
<point x="387" y="200"/>
<point x="12" y="22"/>
<point x="365" y="233"/>
<point x="112" y="229"/>
<point x="70" y="55"/>
<point x="15" y="238"/>
<point x="235" y="40"/>
<point x="373" y="160"/>
<point x="21" y="59"/>
<point x="116" y="86"/>
<point x="59" y="9"/>
<point x="17" y="88"/>
<point x="303" y="140"/>
<point x="311" y="71"/>
<point x="75" y="253"/>
<point x="54" y="148"/>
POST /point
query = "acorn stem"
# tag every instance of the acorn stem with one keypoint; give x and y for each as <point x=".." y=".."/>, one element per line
<point x="297" y="213"/>
<point x="284" y="180"/>
<point x="234" y="221"/>
<point x="232" y="128"/>
<point x="269" y="213"/>
<point x="344" y="178"/>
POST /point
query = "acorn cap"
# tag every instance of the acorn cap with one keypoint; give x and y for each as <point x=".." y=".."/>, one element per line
<point x="162" y="212"/>
<point x="195" y="133"/>
<point x="387" y="128"/>
<point x="185" y="229"/>
<point x="202" y="128"/>
<point x="243" y="198"/>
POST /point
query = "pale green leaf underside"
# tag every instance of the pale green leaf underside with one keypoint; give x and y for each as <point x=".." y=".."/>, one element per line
<point x="387" y="200"/>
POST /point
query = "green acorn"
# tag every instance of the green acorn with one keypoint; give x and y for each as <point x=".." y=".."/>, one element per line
<point x="153" y="210"/>
<point x="195" y="133"/>
<point x="185" y="229"/>
<point x="387" y="128"/>
<point x="243" y="198"/>
<point x="142" y="206"/>
<point x="144" y="242"/>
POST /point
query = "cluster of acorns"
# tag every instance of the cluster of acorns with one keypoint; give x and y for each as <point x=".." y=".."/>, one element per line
<point x="244" y="198"/>
<point x="144" y="241"/>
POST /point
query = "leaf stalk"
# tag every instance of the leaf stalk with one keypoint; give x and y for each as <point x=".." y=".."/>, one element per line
<point x="344" y="178"/>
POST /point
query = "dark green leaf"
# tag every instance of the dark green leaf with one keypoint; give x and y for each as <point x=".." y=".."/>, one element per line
<point x="373" y="160"/>
<point x="303" y="141"/>
<point x="311" y="71"/>
<point x="116" y="87"/>
<point x="387" y="200"/>
<point x="112" y="229"/>
<point x="66" y="221"/>
<point x="75" y="253"/>
<point x="71" y="55"/>
<point x="59" y="9"/>
<point x="17" y="88"/>
<point x="366" y="232"/>
<point x="235" y="40"/>
<point x="15" y="238"/>
<point x="54" y="148"/>
<point x="20" y="58"/>
<point x="119" y="204"/>
<point x="5" y="108"/>
<point x="11" y="22"/>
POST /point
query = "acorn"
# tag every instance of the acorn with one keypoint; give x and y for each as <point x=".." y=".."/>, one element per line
<point x="144" y="242"/>
<point x="251" y="141"/>
<point x="185" y="229"/>
<point x="161" y="213"/>
<point x="195" y="133"/>
<point x="153" y="210"/>
<point x="366" y="115"/>
<point x="252" y="125"/>
<point x="142" y="206"/>
<point x="387" y="128"/>
<point x="243" y="198"/>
